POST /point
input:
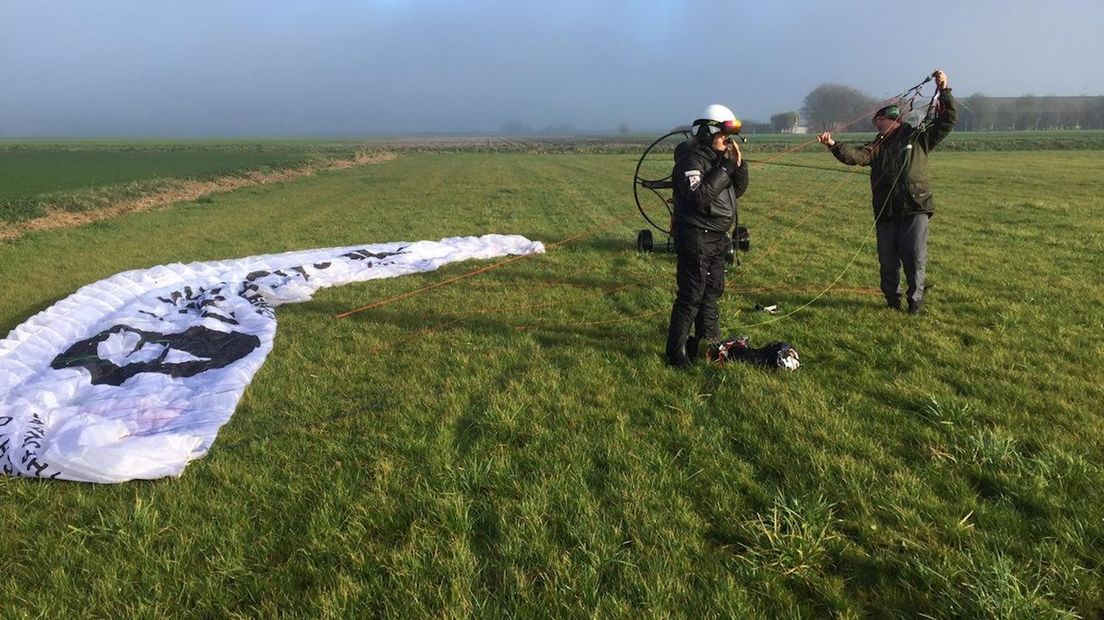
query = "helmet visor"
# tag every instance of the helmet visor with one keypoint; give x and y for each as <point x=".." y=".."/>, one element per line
<point x="719" y="126"/>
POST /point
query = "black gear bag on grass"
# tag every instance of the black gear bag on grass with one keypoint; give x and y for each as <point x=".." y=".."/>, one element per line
<point x="775" y="355"/>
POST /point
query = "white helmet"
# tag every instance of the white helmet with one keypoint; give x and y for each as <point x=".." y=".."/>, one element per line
<point x="717" y="118"/>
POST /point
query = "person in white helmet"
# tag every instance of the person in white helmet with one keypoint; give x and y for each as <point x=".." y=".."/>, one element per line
<point x="709" y="177"/>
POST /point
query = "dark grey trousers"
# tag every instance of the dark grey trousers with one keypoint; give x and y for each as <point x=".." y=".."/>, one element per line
<point x="903" y="242"/>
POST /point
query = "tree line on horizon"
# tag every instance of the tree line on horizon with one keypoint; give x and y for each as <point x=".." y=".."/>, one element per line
<point x="837" y="107"/>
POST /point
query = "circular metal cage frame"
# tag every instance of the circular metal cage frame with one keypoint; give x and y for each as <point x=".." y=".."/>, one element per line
<point x="661" y="189"/>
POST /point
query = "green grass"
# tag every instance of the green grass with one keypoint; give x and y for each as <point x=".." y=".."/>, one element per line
<point x="495" y="448"/>
<point x="79" y="176"/>
<point x="27" y="169"/>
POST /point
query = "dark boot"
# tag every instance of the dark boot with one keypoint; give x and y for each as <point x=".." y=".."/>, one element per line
<point x="914" y="307"/>
<point x="692" y="346"/>
<point x="676" y="350"/>
<point x="678" y="358"/>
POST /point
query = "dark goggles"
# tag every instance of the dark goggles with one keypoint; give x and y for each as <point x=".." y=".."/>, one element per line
<point x="718" y="126"/>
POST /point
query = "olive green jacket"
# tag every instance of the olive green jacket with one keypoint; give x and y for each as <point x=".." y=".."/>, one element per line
<point x="899" y="181"/>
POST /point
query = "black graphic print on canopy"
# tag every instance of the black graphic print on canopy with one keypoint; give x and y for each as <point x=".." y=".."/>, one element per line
<point x="217" y="350"/>
<point x="366" y="254"/>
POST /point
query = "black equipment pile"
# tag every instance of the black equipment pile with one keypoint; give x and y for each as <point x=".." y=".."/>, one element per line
<point x="776" y="355"/>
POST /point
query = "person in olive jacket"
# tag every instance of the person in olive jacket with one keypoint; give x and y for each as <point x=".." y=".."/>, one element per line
<point x="901" y="189"/>
<point x="709" y="176"/>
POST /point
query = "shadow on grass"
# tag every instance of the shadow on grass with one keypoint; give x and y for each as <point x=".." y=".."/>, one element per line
<point x="24" y="313"/>
<point x="608" y="245"/>
<point x="528" y="276"/>
<point x="502" y="326"/>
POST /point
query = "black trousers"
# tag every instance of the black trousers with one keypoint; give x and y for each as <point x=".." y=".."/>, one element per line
<point x="903" y="243"/>
<point x="701" y="281"/>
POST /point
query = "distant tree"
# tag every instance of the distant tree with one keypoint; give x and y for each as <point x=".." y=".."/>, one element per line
<point x="1005" y="115"/>
<point x="835" y="106"/>
<point x="1052" y="114"/>
<point x="624" y="129"/>
<point x="784" y="121"/>
<point x="1027" y="112"/>
<point x="1076" y="114"/>
<point x="978" y="113"/>
<point x="1093" y="117"/>
<point x="1069" y="115"/>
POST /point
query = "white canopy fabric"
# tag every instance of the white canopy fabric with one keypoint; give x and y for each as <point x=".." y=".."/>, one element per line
<point x="131" y="377"/>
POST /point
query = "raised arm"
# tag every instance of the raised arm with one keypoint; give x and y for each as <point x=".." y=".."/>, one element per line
<point x="848" y="153"/>
<point x="739" y="176"/>
<point x="947" y="115"/>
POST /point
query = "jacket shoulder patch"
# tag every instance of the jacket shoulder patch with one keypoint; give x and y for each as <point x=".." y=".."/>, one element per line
<point x="694" y="178"/>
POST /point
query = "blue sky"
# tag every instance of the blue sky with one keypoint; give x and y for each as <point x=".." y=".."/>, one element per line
<point x="168" y="68"/>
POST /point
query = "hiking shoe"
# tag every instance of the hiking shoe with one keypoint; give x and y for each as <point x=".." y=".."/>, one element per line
<point x="914" y="307"/>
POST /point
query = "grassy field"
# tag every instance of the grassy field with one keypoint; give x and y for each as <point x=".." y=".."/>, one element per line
<point x="84" y="175"/>
<point x="763" y="142"/>
<point x="513" y="445"/>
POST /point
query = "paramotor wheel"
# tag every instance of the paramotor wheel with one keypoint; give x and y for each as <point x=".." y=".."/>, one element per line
<point x="652" y="185"/>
